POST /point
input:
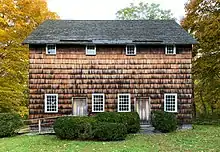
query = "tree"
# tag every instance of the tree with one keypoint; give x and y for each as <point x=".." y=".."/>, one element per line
<point x="202" y="21"/>
<point x="144" y="11"/>
<point x="17" y="19"/>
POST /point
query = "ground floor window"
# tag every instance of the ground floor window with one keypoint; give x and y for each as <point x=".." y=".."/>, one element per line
<point x="98" y="103"/>
<point x="51" y="103"/>
<point x="170" y="102"/>
<point x="124" y="103"/>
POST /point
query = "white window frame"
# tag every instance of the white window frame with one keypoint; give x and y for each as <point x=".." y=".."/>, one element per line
<point x="126" y="50"/>
<point x="174" y="50"/>
<point x="165" y="102"/>
<point x="87" y="50"/>
<point x="129" y="106"/>
<point x="99" y="94"/>
<point x="47" y="50"/>
<point x="45" y="103"/>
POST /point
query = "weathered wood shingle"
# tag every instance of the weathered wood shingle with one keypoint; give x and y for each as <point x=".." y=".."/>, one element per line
<point x="150" y="73"/>
<point x="110" y="32"/>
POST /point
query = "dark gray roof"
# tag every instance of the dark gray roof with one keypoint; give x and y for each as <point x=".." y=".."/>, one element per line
<point x="110" y="32"/>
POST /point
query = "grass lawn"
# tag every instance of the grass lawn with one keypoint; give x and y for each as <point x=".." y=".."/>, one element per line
<point x="201" y="138"/>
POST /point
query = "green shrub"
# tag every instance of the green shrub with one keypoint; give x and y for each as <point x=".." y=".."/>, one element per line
<point x="70" y="127"/>
<point x="164" y="121"/>
<point x="207" y="119"/>
<point x="130" y="119"/>
<point x="108" y="117"/>
<point x="9" y="123"/>
<point x="104" y="126"/>
<point x="107" y="131"/>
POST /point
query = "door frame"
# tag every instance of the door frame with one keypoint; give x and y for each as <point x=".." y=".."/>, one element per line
<point x="73" y="98"/>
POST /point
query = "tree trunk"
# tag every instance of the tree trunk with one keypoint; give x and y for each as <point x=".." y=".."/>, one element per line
<point x="203" y="103"/>
<point x="212" y="108"/>
<point x="194" y="110"/>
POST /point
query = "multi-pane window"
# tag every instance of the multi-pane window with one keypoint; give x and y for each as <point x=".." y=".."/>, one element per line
<point x="90" y="50"/>
<point x="51" y="103"/>
<point x="51" y="49"/>
<point x="170" y="49"/>
<point x="130" y="50"/>
<point x="124" y="103"/>
<point x="98" y="103"/>
<point x="170" y="102"/>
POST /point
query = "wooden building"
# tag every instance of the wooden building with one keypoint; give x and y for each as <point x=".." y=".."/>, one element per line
<point x="85" y="67"/>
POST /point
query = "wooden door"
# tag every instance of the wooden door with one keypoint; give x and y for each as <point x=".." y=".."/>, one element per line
<point x="142" y="106"/>
<point x="79" y="107"/>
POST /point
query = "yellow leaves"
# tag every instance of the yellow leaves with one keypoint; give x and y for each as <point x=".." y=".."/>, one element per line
<point x="23" y="16"/>
<point x="17" y="20"/>
<point x="23" y="111"/>
<point x="2" y="34"/>
<point x="2" y="21"/>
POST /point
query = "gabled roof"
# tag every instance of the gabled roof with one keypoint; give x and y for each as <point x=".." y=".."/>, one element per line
<point x="110" y="32"/>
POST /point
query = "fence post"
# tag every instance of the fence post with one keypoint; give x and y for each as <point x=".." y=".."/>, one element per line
<point x="149" y="104"/>
<point x="39" y="126"/>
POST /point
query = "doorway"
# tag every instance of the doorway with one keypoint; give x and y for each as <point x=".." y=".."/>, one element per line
<point x="80" y="107"/>
<point x="142" y="106"/>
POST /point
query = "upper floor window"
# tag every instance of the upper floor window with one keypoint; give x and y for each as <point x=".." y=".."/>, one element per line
<point x="51" y="49"/>
<point x="130" y="50"/>
<point x="124" y="103"/>
<point x="170" y="102"/>
<point x="170" y="49"/>
<point x="90" y="50"/>
<point x="51" y="103"/>
<point x="98" y="103"/>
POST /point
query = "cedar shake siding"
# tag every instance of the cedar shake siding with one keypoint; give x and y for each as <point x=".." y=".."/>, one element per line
<point x="71" y="73"/>
<point x="91" y="64"/>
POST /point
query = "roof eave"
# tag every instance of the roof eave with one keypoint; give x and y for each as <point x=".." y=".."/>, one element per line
<point x="125" y="43"/>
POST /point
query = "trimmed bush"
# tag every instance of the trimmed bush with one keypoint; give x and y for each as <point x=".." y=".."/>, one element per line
<point x="131" y="120"/>
<point x="164" y="121"/>
<point x="108" y="117"/>
<point x="70" y="127"/>
<point x="9" y="123"/>
<point x="107" y="131"/>
<point x="107" y="126"/>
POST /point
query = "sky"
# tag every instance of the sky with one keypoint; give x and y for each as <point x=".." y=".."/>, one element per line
<point x="106" y="9"/>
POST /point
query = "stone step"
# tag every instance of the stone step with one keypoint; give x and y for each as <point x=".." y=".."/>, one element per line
<point x="145" y="126"/>
<point x="147" y="129"/>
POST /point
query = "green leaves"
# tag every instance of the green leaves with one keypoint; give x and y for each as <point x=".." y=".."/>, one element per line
<point x="9" y="123"/>
<point x="144" y="11"/>
<point x="202" y="20"/>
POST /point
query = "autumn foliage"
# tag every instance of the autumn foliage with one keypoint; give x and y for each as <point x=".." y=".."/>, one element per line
<point x="18" y="18"/>
<point x="202" y="21"/>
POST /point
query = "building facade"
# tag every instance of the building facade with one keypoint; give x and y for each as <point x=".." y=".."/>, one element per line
<point x="85" y="67"/>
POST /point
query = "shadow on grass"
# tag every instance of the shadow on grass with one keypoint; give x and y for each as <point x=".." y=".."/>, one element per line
<point x="207" y="121"/>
